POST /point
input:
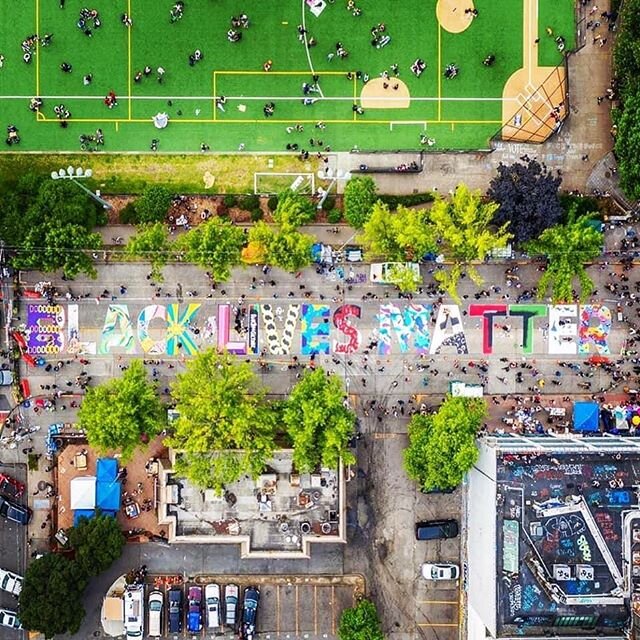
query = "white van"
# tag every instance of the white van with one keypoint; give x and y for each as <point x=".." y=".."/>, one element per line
<point x="156" y="605"/>
<point x="134" y="612"/>
<point x="212" y="603"/>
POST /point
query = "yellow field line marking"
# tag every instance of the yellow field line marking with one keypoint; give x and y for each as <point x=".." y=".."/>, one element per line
<point x="117" y="125"/>
<point x="439" y="74"/>
<point x="129" y="61"/>
<point x="279" y="73"/>
<point x="37" y="48"/>
<point x="213" y="101"/>
<point x="438" y="624"/>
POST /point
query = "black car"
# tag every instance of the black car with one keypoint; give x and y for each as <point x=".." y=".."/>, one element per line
<point x="436" y="529"/>
<point x="250" y="612"/>
<point x="175" y="610"/>
<point x="14" y="512"/>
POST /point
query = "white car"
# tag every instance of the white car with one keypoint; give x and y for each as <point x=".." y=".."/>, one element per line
<point x="156" y="605"/>
<point x="10" y="582"/>
<point x="442" y="571"/>
<point x="9" y="619"/>
<point x="212" y="605"/>
<point x="134" y="612"/>
<point x="231" y="595"/>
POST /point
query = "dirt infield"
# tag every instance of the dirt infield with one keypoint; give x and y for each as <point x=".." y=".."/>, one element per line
<point x="375" y="96"/>
<point x="451" y="15"/>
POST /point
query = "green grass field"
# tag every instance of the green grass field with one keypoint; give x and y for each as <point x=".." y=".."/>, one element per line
<point x="462" y="113"/>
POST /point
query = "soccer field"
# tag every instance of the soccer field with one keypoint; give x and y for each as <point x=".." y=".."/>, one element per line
<point x="519" y="89"/>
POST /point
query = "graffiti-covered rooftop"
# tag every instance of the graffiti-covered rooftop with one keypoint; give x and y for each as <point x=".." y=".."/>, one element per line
<point x="565" y="530"/>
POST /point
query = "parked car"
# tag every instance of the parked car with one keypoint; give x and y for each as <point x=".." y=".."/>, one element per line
<point x="156" y="606"/>
<point x="10" y="487"/>
<point x="194" y="612"/>
<point x="6" y="377"/>
<point x="250" y="612"/>
<point x="436" y="529"/>
<point x="440" y="571"/>
<point x="212" y="605"/>
<point x="175" y="610"/>
<point x="231" y="594"/>
<point x="14" y="512"/>
<point x="9" y="619"/>
<point x="10" y="582"/>
<point x="134" y="612"/>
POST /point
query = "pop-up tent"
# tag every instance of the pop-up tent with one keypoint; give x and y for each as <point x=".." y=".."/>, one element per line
<point x="83" y="493"/>
<point x="586" y="416"/>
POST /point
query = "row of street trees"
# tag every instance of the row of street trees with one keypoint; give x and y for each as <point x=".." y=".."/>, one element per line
<point x="522" y="206"/>
<point x="227" y="426"/>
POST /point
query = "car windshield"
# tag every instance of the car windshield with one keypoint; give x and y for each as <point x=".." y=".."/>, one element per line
<point x="5" y="582"/>
<point x="155" y="605"/>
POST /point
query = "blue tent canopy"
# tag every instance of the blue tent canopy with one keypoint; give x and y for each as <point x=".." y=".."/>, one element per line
<point x="586" y="416"/>
<point x="108" y="496"/>
<point x="82" y="513"/>
<point x="106" y="469"/>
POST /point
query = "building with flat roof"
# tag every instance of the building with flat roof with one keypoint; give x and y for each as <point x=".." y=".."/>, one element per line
<point x="553" y="537"/>
<point x="279" y="514"/>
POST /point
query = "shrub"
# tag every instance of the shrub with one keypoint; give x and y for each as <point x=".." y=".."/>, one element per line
<point x="257" y="214"/>
<point x="359" y="197"/>
<point x="250" y="202"/>
<point x="329" y="203"/>
<point x="229" y="201"/>
<point x="154" y="204"/>
<point x="129" y="215"/>
<point x="272" y="203"/>
<point x="334" y="216"/>
<point x="393" y="202"/>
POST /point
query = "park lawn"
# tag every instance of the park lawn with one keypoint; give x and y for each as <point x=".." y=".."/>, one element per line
<point x="464" y="113"/>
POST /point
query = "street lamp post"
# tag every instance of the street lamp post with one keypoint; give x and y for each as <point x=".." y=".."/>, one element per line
<point x="70" y="173"/>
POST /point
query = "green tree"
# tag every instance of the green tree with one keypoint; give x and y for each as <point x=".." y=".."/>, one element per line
<point x="567" y="248"/>
<point x="51" y="596"/>
<point x="97" y="543"/>
<point x="225" y="427"/>
<point x="442" y="446"/>
<point x="293" y="210"/>
<point x="318" y="422"/>
<point x="360" y="622"/>
<point x="398" y="236"/>
<point x="404" y="277"/>
<point x="290" y="250"/>
<point x="627" y="145"/>
<point x="122" y="412"/>
<point x="151" y="243"/>
<point x="359" y="197"/>
<point x="153" y="205"/>
<point x="215" y="245"/>
<point x="463" y="226"/>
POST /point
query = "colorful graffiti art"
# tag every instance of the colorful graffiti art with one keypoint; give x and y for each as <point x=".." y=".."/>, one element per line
<point x="410" y="322"/>
<point x="45" y="329"/>
<point x="594" y="329"/>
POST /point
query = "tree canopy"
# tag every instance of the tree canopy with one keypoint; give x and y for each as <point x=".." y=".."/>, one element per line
<point x="286" y="248"/>
<point x="527" y="195"/>
<point x="465" y="231"/>
<point x="398" y="236"/>
<point x="404" y="277"/>
<point x="293" y="210"/>
<point x="318" y="422"/>
<point x="442" y="445"/>
<point x="567" y="248"/>
<point x="225" y="427"/>
<point x="359" y="197"/>
<point x="215" y="245"/>
<point x="360" y="622"/>
<point x="151" y="243"/>
<point x="51" y="596"/>
<point x="55" y="229"/>
<point x="627" y="145"/>
<point x="97" y="543"/>
<point x="122" y="412"/>
<point x="153" y="205"/>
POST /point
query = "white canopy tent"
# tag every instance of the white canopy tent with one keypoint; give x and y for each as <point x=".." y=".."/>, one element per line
<point x="83" y="493"/>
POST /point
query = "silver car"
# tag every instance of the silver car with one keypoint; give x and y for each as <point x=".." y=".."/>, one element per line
<point x="231" y="594"/>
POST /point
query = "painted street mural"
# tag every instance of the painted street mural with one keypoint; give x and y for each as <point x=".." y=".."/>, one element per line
<point x="283" y="329"/>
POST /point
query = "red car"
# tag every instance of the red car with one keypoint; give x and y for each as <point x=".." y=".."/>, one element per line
<point x="10" y="487"/>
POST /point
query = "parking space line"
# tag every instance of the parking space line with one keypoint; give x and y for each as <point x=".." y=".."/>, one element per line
<point x="297" y="613"/>
<point x="315" y="609"/>
<point x="333" y="609"/>
<point x="278" y="609"/>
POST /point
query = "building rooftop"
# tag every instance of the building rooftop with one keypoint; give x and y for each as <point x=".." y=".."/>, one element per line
<point x="278" y="514"/>
<point x="563" y="536"/>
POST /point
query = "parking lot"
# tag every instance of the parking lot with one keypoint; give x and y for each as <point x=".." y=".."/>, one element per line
<point x="13" y="539"/>
<point x="290" y="606"/>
